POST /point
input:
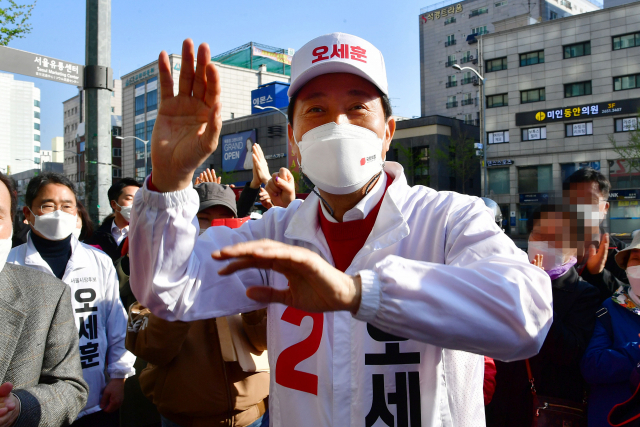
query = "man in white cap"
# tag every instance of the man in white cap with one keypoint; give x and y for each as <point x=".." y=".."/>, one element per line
<point x="381" y="297"/>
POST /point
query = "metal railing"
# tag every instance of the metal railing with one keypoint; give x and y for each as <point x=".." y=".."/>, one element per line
<point x="450" y="63"/>
<point x="469" y="101"/>
<point x="452" y="104"/>
<point x="449" y="43"/>
<point x="467" y="80"/>
<point x="452" y="84"/>
<point x="450" y="21"/>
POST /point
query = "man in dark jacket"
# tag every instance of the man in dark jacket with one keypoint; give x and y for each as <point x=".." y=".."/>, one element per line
<point x="114" y="229"/>
<point x="40" y="374"/>
<point x="588" y="191"/>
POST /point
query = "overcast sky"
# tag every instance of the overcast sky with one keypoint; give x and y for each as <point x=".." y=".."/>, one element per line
<point x="142" y="28"/>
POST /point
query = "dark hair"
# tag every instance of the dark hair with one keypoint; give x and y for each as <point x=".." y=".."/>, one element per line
<point x="115" y="191"/>
<point x="13" y="194"/>
<point x="568" y="212"/>
<point x="587" y="175"/>
<point x="43" y="179"/>
<point x="87" y="225"/>
<point x="386" y="106"/>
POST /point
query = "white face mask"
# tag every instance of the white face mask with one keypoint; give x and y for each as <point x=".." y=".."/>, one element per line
<point x="633" y="274"/>
<point x="551" y="257"/>
<point x="5" y="248"/>
<point x="340" y="159"/>
<point x="125" y="211"/>
<point x="76" y="232"/>
<point x="56" y="225"/>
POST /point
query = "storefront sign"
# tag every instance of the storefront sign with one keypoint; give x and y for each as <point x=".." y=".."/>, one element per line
<point x="44" y="67"/>
<point x="534" y="198"/>
<point x="141" y="76"/>
<point x="504" y="162"/>
<point x="275" y="156"/>
<point x="624" y="106"/>
<point x="441" y="13"/>
<point x="270" y="95"/>
<point x="236" y="151"/>
<point x="623" y="195"/>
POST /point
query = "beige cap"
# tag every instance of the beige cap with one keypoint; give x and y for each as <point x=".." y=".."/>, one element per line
<point x="623" y="256"/>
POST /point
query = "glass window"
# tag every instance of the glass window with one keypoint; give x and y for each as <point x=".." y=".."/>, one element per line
<point x="36" y="126"/>
<point x="117" y="152"/>
<point x="531" y="58"/>
<point x="450" y="20"/>
<point x="36" y="160"/>
<point x="501" y="3"/>
<point x="498" y="137"/>
<point x="36" y="137"/>
<point x="451" y="102"/>
<point x="36" y="103"/>
<point x="36" y="148"/>
<point x="533" y="95"/>
<point x="150" y="125"/>
<point x="578" y="49"/>
<point x="152" y="94"/>
<point x="626" y="82"/>
<point x="117" y="172"/>
<point x="534" y="179"/>
<point x="36" y="114"/>
<point x="499" y="180"/>
<point x="626" y="124"/>
<point x="479" y="30"/>
<point x="140" y="131"/>
<point x="579" y="129"/>
<point x="553" y="15"/>
<point x="533" y="134"/>
<point x="479" y="11"/>
<point x="626" y="41"/>
<point x="496" y="64"/>
<point x="577" y="89"/>
<point x="501" y="100"/>
<point x="139" y="92"/>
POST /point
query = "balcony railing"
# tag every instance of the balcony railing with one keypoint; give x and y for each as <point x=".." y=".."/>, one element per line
<point x="472" y="122"/>
<point x="467" y="80"/>
<point x="478" y="12"/>
<point x="452" y="84"/>
<point x="466" y="59"/>
<point x="450" y="63"/>
<point x="450" y="21"/>
<point x="452" y="104"/>
<point x="449" y="43"/>
<point x="469" y="101"/>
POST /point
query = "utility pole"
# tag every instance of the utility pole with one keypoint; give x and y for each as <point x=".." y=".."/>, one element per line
<point x="98" y="85"/>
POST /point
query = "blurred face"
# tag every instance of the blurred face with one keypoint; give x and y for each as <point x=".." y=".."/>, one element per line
<point x="340" y="98"/>
<point x="588" y="193"/>
<point x="5" y="212"/>
<point x="51" y="196"/>
<point x="555" y="228"/>
<point x="206" y="216"/>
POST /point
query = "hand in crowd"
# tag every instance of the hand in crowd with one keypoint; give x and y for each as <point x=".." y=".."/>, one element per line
<point x="314" y="284"/>
<point x="596" y="259"/>
<point x="537" y="261"/>
<point x="208" y="175"/>
<point x="265" y="199"/>
<point x="113" y="395"/>
<point x="188" y="125"/>
<point x="9" y="406"/>
<point x="281" y="188"/>
<point x="260" y="167"/>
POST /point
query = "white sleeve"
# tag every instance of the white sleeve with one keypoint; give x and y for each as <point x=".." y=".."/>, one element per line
<point x="120" y="361"/>
<point x="172" y="272"/>
<point x="486" y="299"/>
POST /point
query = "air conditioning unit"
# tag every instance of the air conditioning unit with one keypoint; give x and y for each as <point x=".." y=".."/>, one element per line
<point x="471" y="57"/>
<point x="475" y="81"/>
<point x="474" y="61"/>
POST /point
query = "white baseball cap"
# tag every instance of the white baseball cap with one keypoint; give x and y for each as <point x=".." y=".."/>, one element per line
<point x="337" y="53"/>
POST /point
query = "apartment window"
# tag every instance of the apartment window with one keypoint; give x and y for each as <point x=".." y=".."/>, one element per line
<point x="479" y="30"/>
<point x="139" y="92"/>
<point x="496" y="64"/>
<point x="451" y="102"/>
<point x="466" y="57"/>
<point x="36" y="103"/>
<point x="626" y="41"/>
<point x="117" y="173"/>
<point x="450" y="20"/>
<point x="501" y="100"/>
<point x="36" y="114"/>
<point x="467" y="77"/>
<point x="139" y="130"/>
<point x="533" y="134"/>
<point x="451" y="59"/>
<point x="531" y="58"/>
<point x="112" y="109"/>
<point x="566" y="3"/>
<point x="468" y="119"/>
<point x="36" y="148"/>
<point x="479" y="11"/>
<point x="233" y="116"/>
<point x="466" y="99"/>
<point x="451" y="81"/>
<point x="501" y="3"/>
<point x="36" y="137"/>
<point x="498" y="137"/>
<point x="578" y="49"/>
<point x="577" y="89"/>
<point x="36" y="126"/>
<point x="626" y="124"/>
<point x="117" y="152"/>
<point x="499" y="180"/>
<point x="152" y="94"/>
<point x="535" y="179"/>
<point x="579" y="129"/>
<point x="451" y="40"/>
<point x="532" y="95"/>
<point x="626" y="82"/>
<point x="553" y="15"/>
<point x="36" y="160"/>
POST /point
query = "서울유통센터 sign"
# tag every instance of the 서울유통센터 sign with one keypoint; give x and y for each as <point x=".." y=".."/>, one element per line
<point x="41" y="66"/>
<point x="624" y="106"/>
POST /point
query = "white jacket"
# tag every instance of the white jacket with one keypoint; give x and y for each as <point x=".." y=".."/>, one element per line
<point x="98" y="312"/>
<point x="436" y="269"/>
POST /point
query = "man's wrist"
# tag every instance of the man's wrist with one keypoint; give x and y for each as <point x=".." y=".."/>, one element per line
<point x="168" y="185"/>
<point x="357" y="294"/>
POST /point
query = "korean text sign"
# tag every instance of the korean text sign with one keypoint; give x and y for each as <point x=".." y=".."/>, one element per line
<point x="236" y="151"/>
<point x="588" y="111"/>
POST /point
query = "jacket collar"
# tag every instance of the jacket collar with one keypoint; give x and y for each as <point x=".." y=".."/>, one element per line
<point x="79" y="258"/>
<point x="11" y="319"/>
<point x="390" y="226"/>
<point x="568" y="281"/>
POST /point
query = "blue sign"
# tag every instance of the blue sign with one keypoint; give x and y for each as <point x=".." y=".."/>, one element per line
<point x="623" y="195"/>
<point x="269" y="95"/>
<point x="534" y="198"/>
<point x="236" y="151"/>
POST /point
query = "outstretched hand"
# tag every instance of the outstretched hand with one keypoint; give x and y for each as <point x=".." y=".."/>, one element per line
<point x="208" y="175"/>
<point x="9" y="406"/>
<point x="281" y="188"/>
<point x="260" y="167"/>
<point x="314" y="284"/>
<point x="537" y="261"/>
<point x="188" y="125"/>
<point x="597" y="259"/>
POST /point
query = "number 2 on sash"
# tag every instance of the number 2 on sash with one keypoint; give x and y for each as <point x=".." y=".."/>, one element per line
<point x="286" y="373"/>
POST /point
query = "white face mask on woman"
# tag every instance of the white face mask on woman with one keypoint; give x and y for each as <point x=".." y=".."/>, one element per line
<point x="551" y="257"/>
<point x="340" y="159"/>
<point x="56" y="225"/>
<point x="633" y="274"/>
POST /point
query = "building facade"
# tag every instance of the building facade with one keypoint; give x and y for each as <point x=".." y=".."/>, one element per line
<point x="57" y="149"/>
<point x="567" y="88"/>
<point x="241" y="71"/>
<point x="20" y="125"/>
<point x="449" y="34"/>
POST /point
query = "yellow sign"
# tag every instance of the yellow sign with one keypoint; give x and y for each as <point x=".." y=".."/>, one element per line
<point x="540" y="116"/>
<point x="444" y="12"/>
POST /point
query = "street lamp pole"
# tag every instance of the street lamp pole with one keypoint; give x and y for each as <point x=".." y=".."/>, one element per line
<point x="145" y="142"/>
<point x="483" y="132"/>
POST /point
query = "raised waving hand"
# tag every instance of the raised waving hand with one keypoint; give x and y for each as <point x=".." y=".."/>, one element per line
<point x="188" y="125"/>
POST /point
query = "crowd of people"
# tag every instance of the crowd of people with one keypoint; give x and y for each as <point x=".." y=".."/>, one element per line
<point x="369" y="303"/>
